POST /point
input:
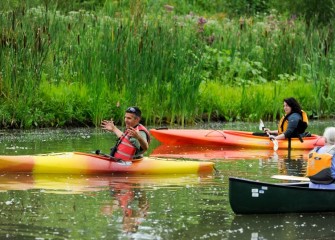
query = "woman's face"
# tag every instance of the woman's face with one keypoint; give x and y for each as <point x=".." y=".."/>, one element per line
<point x="287" y="108"/>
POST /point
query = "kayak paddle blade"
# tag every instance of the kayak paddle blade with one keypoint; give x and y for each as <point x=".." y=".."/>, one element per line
<point x="261" y="125"/>
<point x="275" y="144"/>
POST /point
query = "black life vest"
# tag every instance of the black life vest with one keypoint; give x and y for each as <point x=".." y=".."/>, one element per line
<point x="302" y="125"/>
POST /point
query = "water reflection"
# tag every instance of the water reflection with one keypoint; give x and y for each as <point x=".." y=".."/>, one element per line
<point x="132" y="202"/>
<point x="53" y="183"/>
<point x="283" y="226"/>
<point x="221" y="153"/>
<point x="75" y="207"/>
<point x="293" y="166"/>
<point x="67" y="183"/>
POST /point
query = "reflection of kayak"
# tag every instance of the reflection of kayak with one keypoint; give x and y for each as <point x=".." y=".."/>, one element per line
<point x="65" y="183"/>
<point x="83" y="163"/>
<point x="254" y="197"/>
<point x="282" y="226"/>
<point x="230" y="138"/>
<point x="207" y="152"/>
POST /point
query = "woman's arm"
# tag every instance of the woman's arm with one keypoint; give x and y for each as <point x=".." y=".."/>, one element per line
<point x="293" y="121"/>
<point x="268" y="131"/>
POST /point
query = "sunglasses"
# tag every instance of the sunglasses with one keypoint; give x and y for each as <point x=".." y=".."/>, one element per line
<point x="131" y="110"/>
<point x="134" y="110"/>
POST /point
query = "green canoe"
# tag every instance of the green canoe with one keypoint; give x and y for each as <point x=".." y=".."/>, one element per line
<point x="254" y="197"/>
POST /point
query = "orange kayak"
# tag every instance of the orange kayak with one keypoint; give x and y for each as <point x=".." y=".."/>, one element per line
<point x="84" y="163"/>
<point x="229" y="138"/>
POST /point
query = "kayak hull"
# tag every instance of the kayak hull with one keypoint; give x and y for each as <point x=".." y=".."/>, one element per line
<point x="230" y="138"/>
<point x="254" y="197"/>
<point x="83" y="163"/>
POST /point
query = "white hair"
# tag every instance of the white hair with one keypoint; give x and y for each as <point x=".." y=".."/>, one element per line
<point x="329" y="135"/>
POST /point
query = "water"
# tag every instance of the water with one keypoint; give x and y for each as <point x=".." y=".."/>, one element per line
<point x="145" y="207"/>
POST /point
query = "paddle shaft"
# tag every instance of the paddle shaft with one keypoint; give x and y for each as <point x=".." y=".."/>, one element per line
<point x="291" y="178"/>
<point x="98" y="152"/>
<point x="261" y="127"/>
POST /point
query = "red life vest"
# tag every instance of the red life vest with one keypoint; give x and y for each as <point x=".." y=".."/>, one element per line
<point x="125" y="150"/>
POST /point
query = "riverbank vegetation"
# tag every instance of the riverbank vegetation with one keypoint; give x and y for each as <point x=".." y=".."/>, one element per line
<point x="181" y="63"/>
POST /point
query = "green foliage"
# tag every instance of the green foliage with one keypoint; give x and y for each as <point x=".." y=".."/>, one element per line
<point x="60" y="5"/>
<point x="231" y="70"/>
<point x="228" y="103"/>
<point x="63" y="104"/>
<point x="187" y="6"/>
<point x="61" y="68"/>
<point x="246" y="7"/>
<point x="321" y="12"/>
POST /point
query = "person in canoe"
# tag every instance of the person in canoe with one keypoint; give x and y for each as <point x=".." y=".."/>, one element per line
<point x="292" y="124"/>
<point x="134" y="141"/>
<point x="321" y="163"/>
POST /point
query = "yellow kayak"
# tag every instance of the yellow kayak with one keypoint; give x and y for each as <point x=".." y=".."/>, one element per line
<point x="84" y="163"/>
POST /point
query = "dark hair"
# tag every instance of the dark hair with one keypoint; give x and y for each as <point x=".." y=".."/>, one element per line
<point x="293" y="104"/>
<point x="134" y="110"/>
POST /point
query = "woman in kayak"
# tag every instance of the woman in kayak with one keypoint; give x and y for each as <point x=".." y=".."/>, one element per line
<point x="292" y="124"/>
<point x="321" y="163"/>
<point x="134" y="141"/>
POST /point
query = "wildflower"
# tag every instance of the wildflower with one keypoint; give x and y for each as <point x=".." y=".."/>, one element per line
<point x="202" y="21"/>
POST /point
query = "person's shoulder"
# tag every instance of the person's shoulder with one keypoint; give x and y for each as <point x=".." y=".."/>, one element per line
<point x="295" y="116"/>
<point x="325" y="149"/>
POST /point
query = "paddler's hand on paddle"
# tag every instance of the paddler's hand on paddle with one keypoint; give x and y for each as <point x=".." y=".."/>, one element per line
<point x="266" y="130"/>
<point x="108" y="125"/>
<point x="275" y="142"/>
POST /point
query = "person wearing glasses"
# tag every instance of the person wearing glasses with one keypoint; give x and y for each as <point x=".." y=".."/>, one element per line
<point x="134" y="141"/>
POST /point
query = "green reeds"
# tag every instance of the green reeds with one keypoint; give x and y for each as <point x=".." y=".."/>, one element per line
<point x="79" y="68"/>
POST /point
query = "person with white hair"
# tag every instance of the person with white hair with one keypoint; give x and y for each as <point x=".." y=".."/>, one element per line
<point x="321" y="163"/>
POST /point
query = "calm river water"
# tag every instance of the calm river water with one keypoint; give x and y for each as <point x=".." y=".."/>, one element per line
<point x="146" y="207"/>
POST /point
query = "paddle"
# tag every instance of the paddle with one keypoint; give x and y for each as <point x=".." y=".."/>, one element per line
<point x="118" y="160"/>
<point x="290" y="178"/>
<point x="275" y="142"/>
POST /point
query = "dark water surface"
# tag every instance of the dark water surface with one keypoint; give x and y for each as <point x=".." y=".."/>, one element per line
<point x="146" y="206"/>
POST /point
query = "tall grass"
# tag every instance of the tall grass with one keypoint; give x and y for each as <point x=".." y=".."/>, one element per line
<point x="79" y="68"/>
<point x="261" y="102"/>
